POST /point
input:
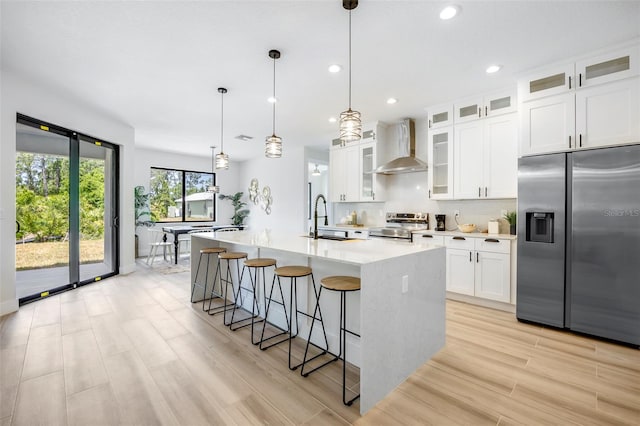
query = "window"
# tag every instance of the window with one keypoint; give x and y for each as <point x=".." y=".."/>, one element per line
<point x="181" y="196"/>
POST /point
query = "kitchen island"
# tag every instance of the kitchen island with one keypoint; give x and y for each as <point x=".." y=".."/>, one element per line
<point x="399" y="312"/>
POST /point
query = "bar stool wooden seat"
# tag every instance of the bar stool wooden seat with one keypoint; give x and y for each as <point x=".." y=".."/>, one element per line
<point x="293" y="273"/>
<point x="260" y="263"/>
<point x="206" y="252"/>
<point x="343" y="284"/>
<point x="227" y="280"/>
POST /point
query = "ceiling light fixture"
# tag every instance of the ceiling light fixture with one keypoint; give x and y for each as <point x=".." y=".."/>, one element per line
<point x="449" y="12"/>
<point x="213" y="188"/>
<point x="273" y="146"/>
<point x="392" y="101"/>
<point x="316" y="171"/>
<point x="335" y="68"/>
<point x="493" y="68"/>
<point x="350" y="121"/>
<point x="222" y="159"/>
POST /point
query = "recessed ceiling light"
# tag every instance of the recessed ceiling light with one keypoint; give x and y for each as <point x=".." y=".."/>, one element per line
<point x="493" y="68"/>
<point x="335" y="68"/>
<point x="392" y="101"/>
<point x="449" y="12"/>
<point x="332" y="120"/>
<point x="272" y="100"/>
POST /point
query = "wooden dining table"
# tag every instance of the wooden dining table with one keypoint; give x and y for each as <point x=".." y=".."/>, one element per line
<point x="176" y="231"/>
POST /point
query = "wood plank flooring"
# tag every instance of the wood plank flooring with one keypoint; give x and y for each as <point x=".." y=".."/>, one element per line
<point x="133" y="350"/>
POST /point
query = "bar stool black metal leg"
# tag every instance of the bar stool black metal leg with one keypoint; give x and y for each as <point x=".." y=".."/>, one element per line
<point x="266" y="316"/>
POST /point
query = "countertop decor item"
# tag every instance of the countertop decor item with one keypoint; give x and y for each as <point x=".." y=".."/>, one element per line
<point x="512" y="219"/>
<point x="350" y="121"/>
<point x="222" y="159"/>
<point x="467" y="227"/>
<point x="238" y="212"/>
<point x="273" y="146"/>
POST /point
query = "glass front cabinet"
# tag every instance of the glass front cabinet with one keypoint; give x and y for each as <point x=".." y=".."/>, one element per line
<point x="440" y="146"/>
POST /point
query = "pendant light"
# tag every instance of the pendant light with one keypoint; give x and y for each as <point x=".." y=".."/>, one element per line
<point x="350" y="121"/>
<point x="213" y="188"/>
<point x="273" y="146"/>
<point x="316" y="171"/>
<point x="222" y="159"/>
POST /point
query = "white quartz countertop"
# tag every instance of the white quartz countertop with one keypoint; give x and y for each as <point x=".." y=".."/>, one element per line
<point x="467" y="234"/>
<point x="355" y="252"/>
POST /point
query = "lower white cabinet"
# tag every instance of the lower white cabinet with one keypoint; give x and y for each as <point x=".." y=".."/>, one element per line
<point x="479" y="266"/>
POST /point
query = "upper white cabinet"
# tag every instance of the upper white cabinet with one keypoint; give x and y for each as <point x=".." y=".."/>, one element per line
<point x="485" y="158"/>
<point x="351" y="167"/>
<point x="587" y="104"/>
<point x="440" y="116"/>
<point x="477" y="107"/>
<point x="440" y="170"/>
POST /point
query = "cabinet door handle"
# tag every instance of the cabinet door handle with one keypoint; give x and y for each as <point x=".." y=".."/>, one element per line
<point x="580" y="80"/>
<point x="485" y="191"/>
<point x="479" y="192"/>
<point x="470" y="258"/>
<point x="491" y="240"/>
<point x="427" y="236"/>
<point x="429" y="193"/>
<point x="479" y="112"/>
<point x="569" y="82"/>
<point x="486" y="111"/>
<point x="429" y="123"/>
<point x="477" y="257"/>
<point x="580" y="140"/>
<point x="569" y="141"/>
<point x="460" y="238"/>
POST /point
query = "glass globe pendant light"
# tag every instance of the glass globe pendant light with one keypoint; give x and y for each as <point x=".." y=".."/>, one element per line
<point x="222" y="159"/>
<point x="350" y="121"/>
<point x="213" y="188"/>
<point x="273" y="145"/>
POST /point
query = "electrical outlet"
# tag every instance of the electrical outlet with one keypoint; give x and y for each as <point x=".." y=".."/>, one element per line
<point x="456" y="213"/>
<point x="405" y="283"/>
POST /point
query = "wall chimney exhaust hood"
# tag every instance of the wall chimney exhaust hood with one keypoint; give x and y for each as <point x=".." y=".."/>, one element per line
<point x="406" y="161"/>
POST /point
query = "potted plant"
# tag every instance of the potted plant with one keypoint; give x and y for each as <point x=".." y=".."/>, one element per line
<point x="142" y="211"/>
<point x="511" y="218"/>
<point x="238" y="212"/>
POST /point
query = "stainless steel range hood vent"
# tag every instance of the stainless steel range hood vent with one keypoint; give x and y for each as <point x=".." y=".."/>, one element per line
<point x="406" y="162"/>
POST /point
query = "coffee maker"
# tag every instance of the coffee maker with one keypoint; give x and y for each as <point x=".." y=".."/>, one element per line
<point x="440" y="218"/>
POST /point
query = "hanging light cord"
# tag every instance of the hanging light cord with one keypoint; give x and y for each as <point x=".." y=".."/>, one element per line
<point x="274" y="96"/>
<point x="222" y="123"/>
<point x="349" y="59"/>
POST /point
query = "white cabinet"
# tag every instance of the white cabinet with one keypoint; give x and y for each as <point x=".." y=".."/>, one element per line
<point x="587" y="104"/>
<point x="485" y="158"/>
<point x="440" y="170"/>
<point x="351" y="167"/>
<point x="440" y="116"/>
<point x="497" y="103"/>
<point x="479" y="267"/>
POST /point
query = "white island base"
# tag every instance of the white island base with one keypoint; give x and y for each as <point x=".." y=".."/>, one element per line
<point x="399" y="311"/>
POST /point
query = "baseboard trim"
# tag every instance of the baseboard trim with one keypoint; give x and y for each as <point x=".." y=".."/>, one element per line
<point x="501" y="306"/>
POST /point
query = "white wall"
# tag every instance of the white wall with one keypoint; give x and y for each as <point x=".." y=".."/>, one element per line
<point x="226" y="179"/>
<point x="287" y="178"/>
<point x="21" y="95"/>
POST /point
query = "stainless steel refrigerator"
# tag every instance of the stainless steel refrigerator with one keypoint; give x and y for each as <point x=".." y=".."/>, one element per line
<point x="579" y="241"/>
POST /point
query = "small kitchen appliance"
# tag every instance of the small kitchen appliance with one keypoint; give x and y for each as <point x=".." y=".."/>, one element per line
<point x="440" y="220"/>
<point x="401" y="225"/>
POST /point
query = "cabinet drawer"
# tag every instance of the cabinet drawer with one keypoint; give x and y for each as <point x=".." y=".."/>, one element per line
<point x="493" y="245"/>
<point x="428" y="239"/>
<point x="459" y="242"/>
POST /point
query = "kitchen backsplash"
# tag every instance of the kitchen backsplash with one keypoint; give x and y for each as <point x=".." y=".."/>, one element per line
<point x="409" y="193"/>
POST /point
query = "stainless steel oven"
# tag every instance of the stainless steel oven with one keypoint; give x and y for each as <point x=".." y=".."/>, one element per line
<point x="400" y="226"/>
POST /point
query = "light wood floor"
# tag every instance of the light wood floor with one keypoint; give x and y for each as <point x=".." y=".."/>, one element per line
<point x="133" y="350"/>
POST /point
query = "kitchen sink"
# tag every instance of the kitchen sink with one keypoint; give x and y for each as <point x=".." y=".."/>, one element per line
<point x="331" y="237"/>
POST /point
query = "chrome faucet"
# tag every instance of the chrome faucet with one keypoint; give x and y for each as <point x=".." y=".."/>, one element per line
<point x="315" y="215"/>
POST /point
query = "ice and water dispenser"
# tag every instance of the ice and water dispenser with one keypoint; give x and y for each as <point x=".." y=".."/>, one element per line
<point x="540" y="227"/>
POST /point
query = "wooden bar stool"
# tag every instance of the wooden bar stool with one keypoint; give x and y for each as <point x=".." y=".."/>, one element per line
<point x="255" y="264"/>
<point x="293" y="273"/>
<point x="206" y="252"/>
<point x="343" y="284"/>
<point x="228" y="279"/>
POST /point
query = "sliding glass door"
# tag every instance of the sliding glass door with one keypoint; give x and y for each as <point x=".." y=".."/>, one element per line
<point x="66" y="209"/>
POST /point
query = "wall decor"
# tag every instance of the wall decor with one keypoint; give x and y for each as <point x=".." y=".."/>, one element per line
<point x="266" y="200"/>
<point x="254" y="191"/>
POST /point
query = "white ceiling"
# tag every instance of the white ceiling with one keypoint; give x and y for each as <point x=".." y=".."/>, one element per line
<point x="157" y="65"/>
